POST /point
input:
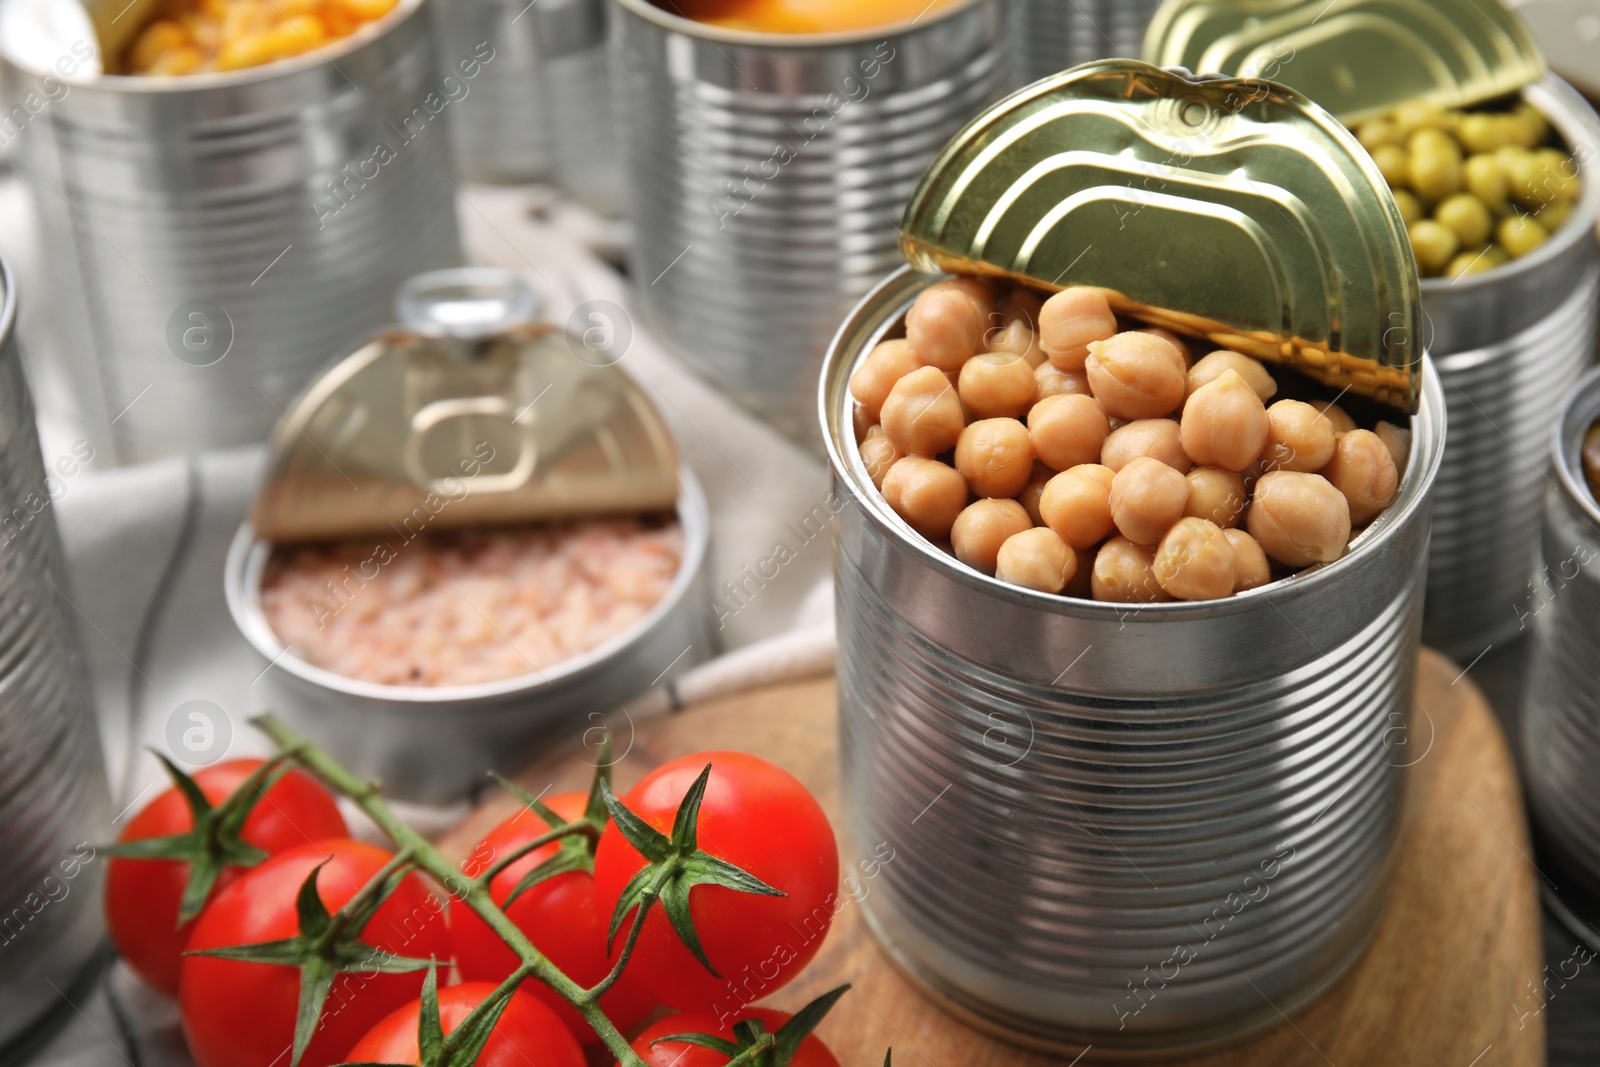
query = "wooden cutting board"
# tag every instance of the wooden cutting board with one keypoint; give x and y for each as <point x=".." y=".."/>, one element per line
<point x="1448" y="979"/>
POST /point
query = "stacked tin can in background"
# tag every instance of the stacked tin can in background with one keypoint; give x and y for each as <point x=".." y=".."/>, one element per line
<point x="54" y="804"/>
<point x="766" y="174"/>
<point x="1054" y="34"/>
<point x="221" y="236"/>
<point x="1561" y="716"/>
<point x="541" y="108"/>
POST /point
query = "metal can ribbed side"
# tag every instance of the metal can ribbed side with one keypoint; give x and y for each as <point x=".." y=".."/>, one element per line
<point x="223" y="238"/>
<point x="1486" y="504"/>
<point x="767" y="177"/>
<point x="1561" y="724"/>
<point x="1055" y="35"/>
<point x="54" y="802"/>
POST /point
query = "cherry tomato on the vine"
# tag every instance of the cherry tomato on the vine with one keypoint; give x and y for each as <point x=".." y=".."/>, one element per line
<point x="527" y="1034"/>
<point x="143" y="895"/>
<point x="759" y="818"/>
<point x="812" y="1052"/>
<point x="242" y="1014"/>
<point x="559" y="915"/>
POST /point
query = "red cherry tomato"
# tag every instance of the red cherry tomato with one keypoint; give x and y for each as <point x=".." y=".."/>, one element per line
<point x="559" y="915"/>
<point x="238" y="1014"/>
<point x="527" y="1034"/>
<point x="811" y="1053"/>
<point x="142" y="896"/>
<point x="757" y="817"/>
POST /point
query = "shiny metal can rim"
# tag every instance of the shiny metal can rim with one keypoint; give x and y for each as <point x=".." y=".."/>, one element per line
<point x="1579" y="412"/>
<point x="672" y="23"/>
<point x="1412" y="494"/>
<point x="247" y="558"/>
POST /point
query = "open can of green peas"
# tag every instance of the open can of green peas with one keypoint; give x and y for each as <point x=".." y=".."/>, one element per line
<point x="1491" y="158"/>
<point x="1138" y="825"/>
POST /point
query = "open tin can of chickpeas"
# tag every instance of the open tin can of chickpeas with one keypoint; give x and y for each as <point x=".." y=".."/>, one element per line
<point x="468" y="535"/>
<point x="1492" y="161"/>
<point x="1122" y="718"/>
<point x="227" y="200"/>
<point x="1560" y="748"/>
<point x="766" y="170"/>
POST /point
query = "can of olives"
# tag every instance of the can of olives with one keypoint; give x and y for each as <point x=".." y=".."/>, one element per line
<point x="1054" y="36"/>
<point x="217" y="237"/>
<point x="766" y="172"/>
<point x="54" y="803"/>
<point x="1560" y="749"/>
<point x="541" y="108"/>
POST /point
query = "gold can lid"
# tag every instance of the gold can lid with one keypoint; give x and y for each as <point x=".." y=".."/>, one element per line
<point x="1226" y="208"/>
<point x="468" y="415"/>
<point x="1357" y="58"/>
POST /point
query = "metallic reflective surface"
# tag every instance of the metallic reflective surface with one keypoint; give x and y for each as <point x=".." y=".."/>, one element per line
<point x="435" y="745"/>
<point x="1130" y="826"/>
<point x="1156" y="186"/>
<point x="217" y="238"/>
<point x="767" y="174"/>
<point x="1354" y="57"/>
<point x="1055" y="35"/>
<point x="1561" y="725"/>
<point x="54" y="802"/>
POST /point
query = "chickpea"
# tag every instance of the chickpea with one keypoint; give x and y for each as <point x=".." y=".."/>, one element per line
<point x="1394" y="164"/>
<point x="946" y="326"/>
<point x="997" y="385"/>
<point x="981" y="292"/>
<point x="1434" y="169"/>
<point x="1135" y="376"/>
<point x="1410" y="207"/>
<point x="1036" y="559"/>
<point x="1224" y="423"/>
<point x="1397" y="441"/>
<point x="1053" y="381"/>
<point x="928" y="494"/>
<point x="1519" y="235"/>
<point x="1299" y="518"/>
<point x="1147" y="497"/>
<point x="1195" y="561"/>
<point x="1021" y="305"/>
<point x="995" y="457"/>
<point x="1485" y="179"/>
<point x="1068" y="430"/>
<point x="1434" y="244"/>
<point x="1076" y="504"/>
<point x="1342" y="422"/>
<point x="886" y="364"/>
<point x="1034" y="490"/>
<point x="1217" y="495"/>
<point x="1299" y="438"/>
<point x="923" y="415"/>
<point x="1467" y="216"/>
<point x="1124" y="573"/>
<point x="1070" y="320"/>
<point x="1178" y="344"/>
<point x="1375" y="133"/>
<point x="859" y="420"/>
<point x="1016" y="337"/>
<point x="982" y="527"/>
<point x="1251" y="569"/>
<point x="1364" y="471"/>
<point x="879" y="454"/>
<point x="1158" y="438"/>
<point x="1211" y="367"/>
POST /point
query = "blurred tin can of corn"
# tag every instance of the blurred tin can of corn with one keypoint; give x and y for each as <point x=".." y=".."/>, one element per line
<point x="54" y="802"/>
<point x="1561" y="746"/>
<point x="217" y="237"/>
<point x="766" y="173"/>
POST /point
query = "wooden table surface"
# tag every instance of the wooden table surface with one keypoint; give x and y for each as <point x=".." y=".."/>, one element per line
<point x="1448" y="980"/>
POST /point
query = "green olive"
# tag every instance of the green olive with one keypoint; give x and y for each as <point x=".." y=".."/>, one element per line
<point x="1483" y="132"/>
<point x="1394" y="163"/>
<point x="1434" y="244"/>
<point x="1485" y="179"/>
<point x="1410" y="207"/>
<point x="1472" y="261"/>
<point x="1554" y="215"/>
<point x="1375" y="133"/>
<point x="1518" y="234"/>
<point x="1434" y="169"/>
<point x="1468" y="216"/>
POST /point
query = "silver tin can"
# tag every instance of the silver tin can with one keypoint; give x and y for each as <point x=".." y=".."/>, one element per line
<point x="1056" y="34"/>
<point x="54" y="802"/>
<point x="767" y="175"/>
<point x="541" y="108"/>
<point x="1506" y="343"/>
<point x="221" y="236"/>
<point x="435" y="745"/>
<point x="1561" y="743"/>
<point x="1138" y="827"/>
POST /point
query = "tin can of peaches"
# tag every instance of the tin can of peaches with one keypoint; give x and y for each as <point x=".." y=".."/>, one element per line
<point x="1136" y="825"/>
